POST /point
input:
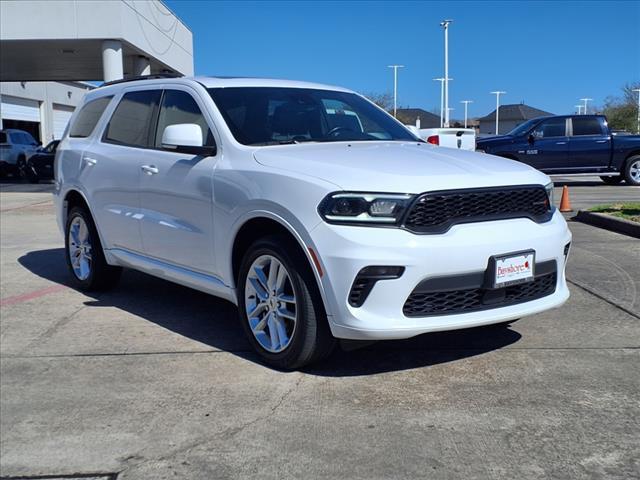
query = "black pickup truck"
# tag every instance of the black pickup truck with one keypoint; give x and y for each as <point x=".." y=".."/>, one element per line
<point x="569" y="145"/>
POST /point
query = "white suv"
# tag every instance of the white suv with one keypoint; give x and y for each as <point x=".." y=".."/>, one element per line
<point x="313" y="210"/>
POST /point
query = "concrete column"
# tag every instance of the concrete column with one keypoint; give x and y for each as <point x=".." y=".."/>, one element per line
<point x="141" y="66"/>
<point x="112" y="60"/>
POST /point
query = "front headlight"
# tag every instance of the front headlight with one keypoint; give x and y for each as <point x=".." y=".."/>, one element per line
<point x="549" y="188"/>
<point x="364" y="208"/>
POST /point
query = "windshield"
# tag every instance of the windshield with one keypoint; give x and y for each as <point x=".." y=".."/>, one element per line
<point x="524" y="127"/>
<point x="273" y="116"/>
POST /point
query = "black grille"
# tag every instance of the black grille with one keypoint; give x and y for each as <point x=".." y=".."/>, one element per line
<point x="424" y="304"/>
<point x="436" y="212"/>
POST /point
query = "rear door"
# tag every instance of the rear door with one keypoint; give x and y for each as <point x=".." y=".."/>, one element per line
<point x="176" y="196"/>
<point x="111" y="168"/>
<point x="589" y="143"/>
<point x="548" y="149"/>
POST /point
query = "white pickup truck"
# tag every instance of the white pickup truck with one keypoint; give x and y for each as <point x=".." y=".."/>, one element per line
<point x="460" y="138"/>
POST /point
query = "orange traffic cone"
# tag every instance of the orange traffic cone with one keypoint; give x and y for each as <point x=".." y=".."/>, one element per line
<point x="565" y="203"/>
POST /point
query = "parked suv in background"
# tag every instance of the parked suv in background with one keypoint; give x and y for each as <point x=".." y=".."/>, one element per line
<point x="16" y="146"/>
<point x="571" y="144"/>
<point x="319" y="224"/>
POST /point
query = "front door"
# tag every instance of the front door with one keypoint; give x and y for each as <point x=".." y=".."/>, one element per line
<point x="176" y="197"/>
<point x="548" y="149"/>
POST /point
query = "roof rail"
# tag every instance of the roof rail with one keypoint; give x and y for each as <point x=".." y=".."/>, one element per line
<point x="143" y="77"/>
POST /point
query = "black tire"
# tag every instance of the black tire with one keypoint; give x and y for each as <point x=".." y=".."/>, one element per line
<point x="631" y="168"/>
<point x="612" y="180"/>
<point x="311" y="340"/>
<point x="102" y="276"/>
<point x="21" y="168"/>
<point x="32" y="175"/>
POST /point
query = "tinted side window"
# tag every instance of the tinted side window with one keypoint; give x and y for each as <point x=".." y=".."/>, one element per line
<point x="131" y="121"/>
<point x="3" y="137"/>
<point x="180" y="107"/>
<point x="554" y="127"/>
<point x="88" y="117"/>
<point x="586" y="126"/>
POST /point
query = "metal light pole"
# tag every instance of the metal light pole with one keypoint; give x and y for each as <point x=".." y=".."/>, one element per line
<point x="466" y="104"/>
<point x="445" y="25"/>
<point x="441" y="80"/>
<point x="638" y="90"/>
<point x="579" y="107"/>
<point x="395" y="86"/>
<point x="449" y="110"/>
<point x="585" y="100"/>
<point x="497" y="94"/>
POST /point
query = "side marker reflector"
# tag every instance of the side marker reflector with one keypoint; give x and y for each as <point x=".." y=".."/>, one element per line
<point x="314" y="257"/>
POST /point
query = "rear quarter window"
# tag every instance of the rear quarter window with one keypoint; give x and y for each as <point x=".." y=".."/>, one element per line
<point x="3" y="137"/>
<point x="88" y="117"/>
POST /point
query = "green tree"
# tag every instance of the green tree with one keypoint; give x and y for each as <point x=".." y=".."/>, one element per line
<point x="622" y="112"/>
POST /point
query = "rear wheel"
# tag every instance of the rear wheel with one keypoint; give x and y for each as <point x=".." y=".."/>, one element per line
<point x="280" y="307"/>
<point x="632" y="170"/>
<point x="612" y="180"/>
<point x="85" y="258"/>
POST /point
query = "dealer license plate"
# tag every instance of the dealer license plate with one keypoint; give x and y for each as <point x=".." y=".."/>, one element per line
<point x="513" y="269"/>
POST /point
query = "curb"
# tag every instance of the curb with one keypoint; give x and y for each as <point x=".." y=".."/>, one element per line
<point x="609" y="222"/>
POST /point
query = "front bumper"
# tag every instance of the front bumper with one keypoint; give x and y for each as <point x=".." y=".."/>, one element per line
<point x="344" y="250"/>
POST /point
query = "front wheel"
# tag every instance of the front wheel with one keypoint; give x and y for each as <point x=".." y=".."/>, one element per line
<point x="21" y="168"/>
<point x="632" y="170"/>
<point x="84" y="255"/>
<point x="612" y="180"/>
<point x="280" y="307"/>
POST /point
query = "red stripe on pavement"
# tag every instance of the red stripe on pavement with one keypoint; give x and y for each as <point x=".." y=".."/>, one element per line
<point x="25" y="297"/>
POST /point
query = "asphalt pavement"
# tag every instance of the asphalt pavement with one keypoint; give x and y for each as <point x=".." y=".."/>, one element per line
<point x="156" y="381"/>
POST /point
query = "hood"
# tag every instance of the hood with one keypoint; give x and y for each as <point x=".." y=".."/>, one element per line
<point x="397" y="167"/>
<point x="495" y="139"/>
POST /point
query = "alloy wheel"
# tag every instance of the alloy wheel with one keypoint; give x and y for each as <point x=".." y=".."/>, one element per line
<point x="634" y="171"/>
<point x="270" y="303"/>
<point x="80" y="248"/>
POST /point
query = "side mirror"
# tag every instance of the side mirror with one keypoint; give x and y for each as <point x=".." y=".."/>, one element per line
<point x="186" y="138"/>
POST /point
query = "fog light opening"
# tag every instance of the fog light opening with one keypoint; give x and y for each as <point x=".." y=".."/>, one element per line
<point x="367" y="278"/>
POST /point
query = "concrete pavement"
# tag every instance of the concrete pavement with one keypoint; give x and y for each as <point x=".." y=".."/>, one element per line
<point x="154" y="381"/>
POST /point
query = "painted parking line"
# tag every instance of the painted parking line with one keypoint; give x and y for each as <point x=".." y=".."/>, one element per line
<point x="10" y="209"/>
<point x="25" y="297"/>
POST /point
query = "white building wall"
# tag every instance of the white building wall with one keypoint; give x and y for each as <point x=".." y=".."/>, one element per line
<point x="65" y="94"/>
<point x="149" y="27"/>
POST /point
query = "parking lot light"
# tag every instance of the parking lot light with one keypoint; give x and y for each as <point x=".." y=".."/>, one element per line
<point x="497" y="93"/>
<point x="395" y="86"/>
<point x="466" y="104"/>
<point x="585" y="100"/>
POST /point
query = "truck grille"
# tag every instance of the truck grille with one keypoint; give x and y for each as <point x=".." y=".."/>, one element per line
<point x="436" y="212"/>
<point x="424" y="304"/>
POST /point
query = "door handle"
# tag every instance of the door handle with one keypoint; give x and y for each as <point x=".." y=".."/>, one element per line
<point x="561" y="143"/>
<point x="150" y="169"/>
<point x="602" y="141"/>
<point x="90" y="161"/>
